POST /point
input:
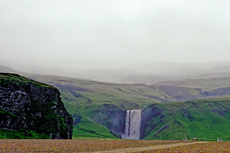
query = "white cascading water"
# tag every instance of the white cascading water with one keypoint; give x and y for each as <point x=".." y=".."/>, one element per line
<point x="132" y="124"/>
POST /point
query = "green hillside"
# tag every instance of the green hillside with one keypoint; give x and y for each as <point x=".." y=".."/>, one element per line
<point x="203" y="119"/>
<point x="88" y="100"/>
<point x="92" y="103"/>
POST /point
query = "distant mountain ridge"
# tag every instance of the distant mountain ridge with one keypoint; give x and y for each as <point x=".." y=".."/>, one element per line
<point x="149" y="73"/>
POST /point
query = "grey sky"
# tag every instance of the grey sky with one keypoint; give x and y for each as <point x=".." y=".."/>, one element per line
<point x="78" y="33"/>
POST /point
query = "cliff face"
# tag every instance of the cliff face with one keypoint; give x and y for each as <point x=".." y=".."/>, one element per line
<point x="111" y="116"/>
<point x="27" y="105"/>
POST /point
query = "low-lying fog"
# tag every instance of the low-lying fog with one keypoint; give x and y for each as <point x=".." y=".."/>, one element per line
<point x="148" y="73"/>
<point x="128" y="41"/>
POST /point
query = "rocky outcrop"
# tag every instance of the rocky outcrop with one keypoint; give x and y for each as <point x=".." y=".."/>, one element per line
<point x="32" y="106"/>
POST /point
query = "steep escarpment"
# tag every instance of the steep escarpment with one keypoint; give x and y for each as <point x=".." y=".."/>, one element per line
<point x="32" y="107"/>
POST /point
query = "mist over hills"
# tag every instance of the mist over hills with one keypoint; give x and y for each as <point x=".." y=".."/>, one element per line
<point x="149" y="73"/>
<point x="6" y="69"/>
<point x="162" y="82"/>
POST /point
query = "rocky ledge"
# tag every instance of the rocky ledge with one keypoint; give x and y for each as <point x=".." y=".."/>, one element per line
<point x="32" y="107"/>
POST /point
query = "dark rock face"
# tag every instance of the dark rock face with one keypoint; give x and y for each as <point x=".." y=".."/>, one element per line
<point x="29" y="105"/>
<point x="111" y="116"/>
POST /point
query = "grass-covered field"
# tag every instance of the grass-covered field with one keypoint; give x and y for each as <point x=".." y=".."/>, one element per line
<point x="217" y="147"/>
<point x="32" y="145"/>
<point x="13" y="145"/>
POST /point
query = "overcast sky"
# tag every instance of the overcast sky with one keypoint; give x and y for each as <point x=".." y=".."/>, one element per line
<point x="81" y="33"/>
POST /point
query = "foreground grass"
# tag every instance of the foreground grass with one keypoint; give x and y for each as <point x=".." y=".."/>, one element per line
<point x="223" y="147"/>
<point x="93" y="138"/>
<point x="42" y="145"/>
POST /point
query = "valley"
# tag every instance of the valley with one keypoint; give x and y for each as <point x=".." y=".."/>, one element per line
<point x="99" y="108"/>
<point x="172" y="109"/>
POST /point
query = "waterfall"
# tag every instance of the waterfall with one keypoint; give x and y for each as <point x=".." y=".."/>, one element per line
<point x="132" y="124"/>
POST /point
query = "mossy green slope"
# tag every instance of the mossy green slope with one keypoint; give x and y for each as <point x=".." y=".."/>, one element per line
<point x="16" y="79"/>
<point x="86" y="125"/>
<point x="203" y="119"/>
